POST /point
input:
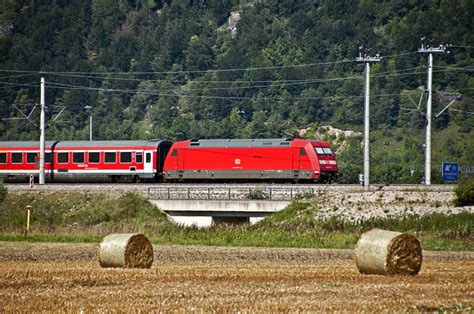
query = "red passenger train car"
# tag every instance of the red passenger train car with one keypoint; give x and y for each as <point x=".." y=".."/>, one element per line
<point x="116" y="161"/>
<point x="251" y="159"/>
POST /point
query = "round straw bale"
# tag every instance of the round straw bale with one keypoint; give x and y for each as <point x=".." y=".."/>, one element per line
<point x="387" y="253"/>
<point x="130" y="250"/>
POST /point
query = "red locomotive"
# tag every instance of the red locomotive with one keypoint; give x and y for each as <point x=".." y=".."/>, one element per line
<point x="254" y="159"/>
<point x="191" y="160"/>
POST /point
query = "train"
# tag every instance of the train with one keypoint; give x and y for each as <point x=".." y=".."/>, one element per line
<point x="197" y="160"/>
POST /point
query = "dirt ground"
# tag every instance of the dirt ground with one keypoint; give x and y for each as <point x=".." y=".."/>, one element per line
<point x="67" y="277"/>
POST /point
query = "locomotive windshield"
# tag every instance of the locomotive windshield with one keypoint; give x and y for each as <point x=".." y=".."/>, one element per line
<point x="323" y="151"/>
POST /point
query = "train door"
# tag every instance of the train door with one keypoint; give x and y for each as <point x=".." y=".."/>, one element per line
<point x="181" y="153"/>
<point x="296" y="163"/>
<point x="148" y="162"/>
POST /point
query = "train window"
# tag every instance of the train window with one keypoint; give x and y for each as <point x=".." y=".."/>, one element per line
<point x="3" y="158"/>
<point x="31" y="158"/>
<point x="48" y="158"/>
<point x="147" y="157"/>
<point x="78" y="158"/>
<point x="125" y="157"/>
<point x="63" y="158"/>
<point x="302" y="152"/>
<point x="17" y="158"/>
<point x="327" y="151"/>
<point x="94" y="158"/>
<point x="110" y="157"/>
<point x="319" y="150"/>
<point x="175" y="152"/>
<point x="139" y="157"/>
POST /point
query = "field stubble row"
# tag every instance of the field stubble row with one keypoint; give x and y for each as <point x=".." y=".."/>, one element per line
<point x="68" y="277"/>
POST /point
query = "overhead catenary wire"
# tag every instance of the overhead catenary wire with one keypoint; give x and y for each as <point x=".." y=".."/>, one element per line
<point x="276" y="83"/>
<point x="448" y="68"/>
<point x="466" y="47"/>
<point x="109" y="78"/>
<point x="132" y="91"/>
<point x="16" y="76"/>
<point x="210" y="70"/>
<point x="160" y="93"/>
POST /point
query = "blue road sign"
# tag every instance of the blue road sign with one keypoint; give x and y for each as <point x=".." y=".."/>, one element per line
<point x="450" y="171"/>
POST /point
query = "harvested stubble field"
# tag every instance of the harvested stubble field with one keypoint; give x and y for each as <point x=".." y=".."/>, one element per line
<point x="67" y="277"/>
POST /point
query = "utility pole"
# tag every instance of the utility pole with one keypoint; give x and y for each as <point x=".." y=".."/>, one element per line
<point x="42" y="135"/>
<point x="89" y="110"/>
<point x="367" y="60"/>
<point x="430" y="51"/>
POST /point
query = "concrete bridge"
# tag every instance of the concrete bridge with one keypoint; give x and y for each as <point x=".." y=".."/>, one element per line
<point x="205" y="206"/>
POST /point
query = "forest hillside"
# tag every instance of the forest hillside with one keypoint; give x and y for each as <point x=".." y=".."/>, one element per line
<point x="245" y="69"/>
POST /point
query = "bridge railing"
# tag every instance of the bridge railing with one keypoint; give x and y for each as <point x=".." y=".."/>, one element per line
<point x="229" y="193"/>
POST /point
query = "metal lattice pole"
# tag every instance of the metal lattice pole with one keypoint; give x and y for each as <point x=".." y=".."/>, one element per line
<point x="367" y="60"/>
<point x="429" y="118"/>
<point x="42" y="134"/>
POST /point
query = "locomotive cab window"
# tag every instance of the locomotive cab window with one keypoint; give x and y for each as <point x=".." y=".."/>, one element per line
<point x="125" y="157"/>
<point x="302" y="152"/>
<point x="110" y="157"/>
<point x="327" y="151"/>
<point x="31" y="158"/>
<point x="94" y="158"/>
<point x="63" y="158"/>
<point x="174" y="153"/>
<point x="3" y="158"/>
<point x="78" y="158"/>
<point x="139" y="157"/>
<point x="17" y="158"/>
<point x="323" y="150"/>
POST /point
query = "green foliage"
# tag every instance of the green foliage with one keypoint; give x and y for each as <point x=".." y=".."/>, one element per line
<point x="76" y="217"/>
<point x="267" y="97"/>
<point x="465" y="192"/>
<point x="257" y="195"/>
<point x="77" y="210"/>
<point x="3" y="192"/>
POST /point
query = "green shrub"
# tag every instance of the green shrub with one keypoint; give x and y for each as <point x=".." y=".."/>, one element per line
<point x="257" y="195"/>
<point x="465" y="192"/>
<point x="3" y="191"/>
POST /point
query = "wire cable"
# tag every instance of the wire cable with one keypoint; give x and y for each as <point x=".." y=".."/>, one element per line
<point x="467" y="47"/>
<point x="131" y="91"/>
<point x="19" y="75"/>
<point x="19" y="71"/>
<point x="17" y="85"/>
<point x="196" y="81"/>
<point x="218" y="70"/>
<point x="468" y="68"/>
<point x="283" y="83"/>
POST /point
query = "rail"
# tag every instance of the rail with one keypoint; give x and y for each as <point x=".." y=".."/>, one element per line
<point x="229" y="193"/>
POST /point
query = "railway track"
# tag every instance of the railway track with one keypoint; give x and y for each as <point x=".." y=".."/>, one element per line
<point x="143" y="188"/>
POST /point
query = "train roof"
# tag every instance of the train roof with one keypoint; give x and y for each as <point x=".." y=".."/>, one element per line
<point x="58" y="144"/>
<point x="272" y="142"/>
<point x="98" y="144"/>
<point x="24" y="144"/>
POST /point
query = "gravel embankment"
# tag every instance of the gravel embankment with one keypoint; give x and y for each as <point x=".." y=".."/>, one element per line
<point x="356" y="206"/>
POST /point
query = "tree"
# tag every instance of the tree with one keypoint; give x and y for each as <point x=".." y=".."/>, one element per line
<point x="199" y="54"/>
